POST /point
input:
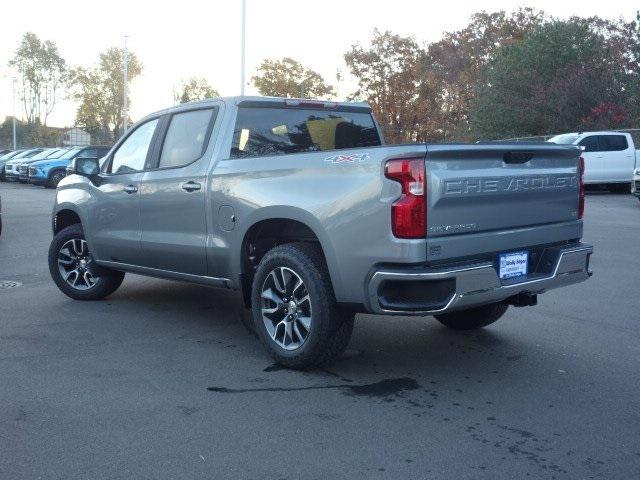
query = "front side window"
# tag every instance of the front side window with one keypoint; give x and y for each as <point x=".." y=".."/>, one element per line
<point x="132" y="154"/>
<point x="590" y="144"/>
<point x="279" y="131"/>
<point x="186" y="137"/>
<point x="613" y="143"/>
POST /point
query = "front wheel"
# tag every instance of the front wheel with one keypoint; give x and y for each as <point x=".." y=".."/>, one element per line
<point x="294" y="308"/>
<point x="473" y="318"/>
<point x="74" y="271"/>
<point x="55" y="178"/>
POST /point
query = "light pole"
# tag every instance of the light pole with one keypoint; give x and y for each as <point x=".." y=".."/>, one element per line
<point x="125" y="106"/>
<point x="14" y="113"/>
<point x="242" y="45"/>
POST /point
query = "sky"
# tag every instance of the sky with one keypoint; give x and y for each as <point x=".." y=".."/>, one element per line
<point x="180" y="39"/>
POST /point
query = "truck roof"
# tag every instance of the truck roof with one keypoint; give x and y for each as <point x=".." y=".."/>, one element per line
<point x="261" y="101"/>
<point x="596" y="132"/>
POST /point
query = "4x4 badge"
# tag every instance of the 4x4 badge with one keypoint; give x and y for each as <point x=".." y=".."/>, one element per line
<point x="351" y="158"/>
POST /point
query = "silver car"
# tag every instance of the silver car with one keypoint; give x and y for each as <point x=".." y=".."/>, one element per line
<point x="300" y="206"/>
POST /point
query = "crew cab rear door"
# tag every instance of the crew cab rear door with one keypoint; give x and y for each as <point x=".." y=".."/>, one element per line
<point x="618" y="157"/>
<point x="173" y="193"/>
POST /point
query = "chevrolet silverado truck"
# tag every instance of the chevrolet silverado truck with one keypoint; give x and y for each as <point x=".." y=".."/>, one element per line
<point x="302" y="207"/>
<point x="609" y="157"/>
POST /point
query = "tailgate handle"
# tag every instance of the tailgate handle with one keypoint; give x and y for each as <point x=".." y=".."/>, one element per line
<point x="517" y="157"/>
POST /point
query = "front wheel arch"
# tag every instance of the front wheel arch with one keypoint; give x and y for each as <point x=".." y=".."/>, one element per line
<point x="65" y="218"/>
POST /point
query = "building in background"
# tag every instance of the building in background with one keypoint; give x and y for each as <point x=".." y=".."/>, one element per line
<point x="76" y="137"/>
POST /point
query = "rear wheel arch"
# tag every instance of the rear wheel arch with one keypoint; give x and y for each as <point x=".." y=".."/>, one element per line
<point x="263" y="235"/>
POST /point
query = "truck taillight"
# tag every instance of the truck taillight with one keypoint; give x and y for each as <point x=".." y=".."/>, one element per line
<point x="408" y="213"/>
<point x="581" y="187"/>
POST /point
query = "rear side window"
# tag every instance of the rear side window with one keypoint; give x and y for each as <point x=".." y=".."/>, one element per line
<point x="613" y="143"/>
<point x="279" y="131"/>
<point x="186" y="138"/>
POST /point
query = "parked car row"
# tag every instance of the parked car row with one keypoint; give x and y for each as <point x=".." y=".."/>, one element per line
<point x="43" y="166"/>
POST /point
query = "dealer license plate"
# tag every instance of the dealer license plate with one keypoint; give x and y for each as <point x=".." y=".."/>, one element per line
<point x="513" y="264"/>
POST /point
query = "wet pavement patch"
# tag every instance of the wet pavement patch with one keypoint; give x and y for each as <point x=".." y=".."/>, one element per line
<point x="381" y="389"/>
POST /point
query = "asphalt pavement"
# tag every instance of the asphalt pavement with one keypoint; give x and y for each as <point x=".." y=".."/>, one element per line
<point x="161" y="381"/>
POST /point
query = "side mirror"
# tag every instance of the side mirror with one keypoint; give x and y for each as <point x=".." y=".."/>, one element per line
<point x="86" y="166"/>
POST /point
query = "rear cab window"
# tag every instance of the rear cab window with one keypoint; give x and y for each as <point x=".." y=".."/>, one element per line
<point x="266" y="131"/>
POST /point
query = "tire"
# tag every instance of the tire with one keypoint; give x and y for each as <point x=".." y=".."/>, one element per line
<point x="69" y="252"/>
<point x="55" y="178"/>
<point x="326" y="329"/>
<point x="473" y="318"/>
<point x="620" y="187"/>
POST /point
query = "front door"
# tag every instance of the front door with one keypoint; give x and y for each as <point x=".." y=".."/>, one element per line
<point x="173" y="195"/>
<point x="593" y="163"/>
<point x="114" y="218"/>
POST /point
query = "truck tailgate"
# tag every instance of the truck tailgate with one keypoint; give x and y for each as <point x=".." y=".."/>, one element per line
<point x="487" y="198"/>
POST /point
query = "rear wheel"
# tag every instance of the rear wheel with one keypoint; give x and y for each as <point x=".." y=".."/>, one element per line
<point x="73" y="270"/>
<point x="294" y="309"/>
<point x="473" y="318"/>
<point x="620" y="187"/>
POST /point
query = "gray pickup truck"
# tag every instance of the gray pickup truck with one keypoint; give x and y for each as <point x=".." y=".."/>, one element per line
<point x="301" y="206"/>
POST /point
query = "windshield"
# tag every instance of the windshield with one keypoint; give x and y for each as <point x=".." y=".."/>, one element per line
<point x="25" y="154"/>
<point x="565" y="139"/>
<point x="58" y="153"/>
<point x="9" y="155"/>
<point x="43" y="154"/>
<point x="70" y="154"/>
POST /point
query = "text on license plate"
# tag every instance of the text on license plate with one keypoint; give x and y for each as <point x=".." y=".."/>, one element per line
<point x="513" y="264"/>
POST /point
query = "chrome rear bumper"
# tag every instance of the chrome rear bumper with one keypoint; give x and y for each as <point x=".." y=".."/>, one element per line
<point x="479" y="284"/>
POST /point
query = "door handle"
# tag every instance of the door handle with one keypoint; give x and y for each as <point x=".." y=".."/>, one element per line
<point x="191" y="186"/>
<point x="130" y="189"/>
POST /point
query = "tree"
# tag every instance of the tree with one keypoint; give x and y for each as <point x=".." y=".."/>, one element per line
<point x="194" y="88"/>
<point x="100" y="91"/>
<point x="551" y="81"/>
<point x="42" y="71"/>
<point x="458" y="62"/>
<point x="288" y="78"/>
<point x="390" y="77"/>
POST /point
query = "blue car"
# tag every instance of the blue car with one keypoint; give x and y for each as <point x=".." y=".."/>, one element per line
<point x="23" y="166"/>
<point x="50" y="171"/>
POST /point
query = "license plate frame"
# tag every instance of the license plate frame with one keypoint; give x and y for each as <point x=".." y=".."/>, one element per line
<point x="513" y="264"/>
